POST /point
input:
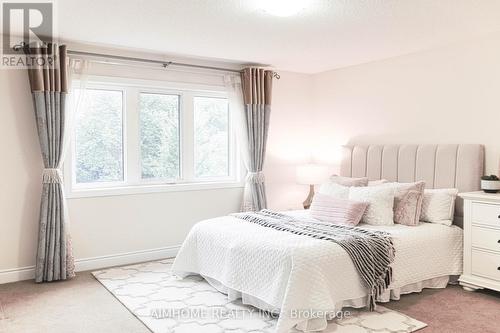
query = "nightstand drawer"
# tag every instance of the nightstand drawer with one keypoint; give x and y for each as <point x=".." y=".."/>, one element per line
<point x="487" y="214"/>
<point x="485" y="238"/>
<point x="486" y="264"/>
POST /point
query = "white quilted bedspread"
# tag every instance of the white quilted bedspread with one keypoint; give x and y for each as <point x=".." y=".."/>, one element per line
<point x="292" y="272"/>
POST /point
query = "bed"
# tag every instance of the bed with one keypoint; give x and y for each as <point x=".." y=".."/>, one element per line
<point x="293" y="274"/>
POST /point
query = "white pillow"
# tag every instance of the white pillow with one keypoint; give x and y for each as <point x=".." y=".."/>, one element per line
<point x="377" y="182"/>
<point x="349" y="181"/>
<point x="381" y="202"/>
<point x="334" y="190"/>
<point x="438" y="205"/>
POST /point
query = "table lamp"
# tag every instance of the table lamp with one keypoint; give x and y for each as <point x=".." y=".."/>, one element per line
<point x="311" y="174"/>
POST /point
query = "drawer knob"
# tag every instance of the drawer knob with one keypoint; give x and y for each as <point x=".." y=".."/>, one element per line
<point x="498" y="268"/>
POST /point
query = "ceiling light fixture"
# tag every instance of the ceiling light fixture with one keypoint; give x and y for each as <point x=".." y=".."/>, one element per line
<point x="283" y="8"/>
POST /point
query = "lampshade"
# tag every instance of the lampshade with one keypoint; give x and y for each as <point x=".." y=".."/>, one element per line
<point x="311" y="174"/>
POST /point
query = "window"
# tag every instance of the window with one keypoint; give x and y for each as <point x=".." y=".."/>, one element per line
<point x="133" y="137"/>
<point x="99" y="137"/>
<point x="211" y="137"/>
<point x="159" y="124"/>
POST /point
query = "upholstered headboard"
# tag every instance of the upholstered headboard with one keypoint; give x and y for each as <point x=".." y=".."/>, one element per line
<point x="440" y="166"/>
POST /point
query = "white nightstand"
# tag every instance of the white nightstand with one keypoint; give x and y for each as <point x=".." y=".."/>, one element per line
<point x="481" y="241"/>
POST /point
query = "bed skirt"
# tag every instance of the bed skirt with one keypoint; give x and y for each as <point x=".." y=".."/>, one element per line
<point x="320" y="324"/>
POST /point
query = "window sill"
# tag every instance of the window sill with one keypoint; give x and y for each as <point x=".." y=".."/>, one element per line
<point x="150" y="188"/>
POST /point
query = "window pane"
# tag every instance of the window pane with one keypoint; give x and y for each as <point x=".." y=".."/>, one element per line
<point x="99" y="138"/>
<point x="211" y="138"/>
<point x="159" y="126"/>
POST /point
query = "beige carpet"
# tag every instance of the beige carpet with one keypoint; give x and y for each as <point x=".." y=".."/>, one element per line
<point x="82" y="305"/>
<point x="165" y="303"/>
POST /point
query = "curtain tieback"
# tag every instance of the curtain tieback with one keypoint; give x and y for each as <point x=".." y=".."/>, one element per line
<point x="52" y="176"/>
<point x="255" y="177"/>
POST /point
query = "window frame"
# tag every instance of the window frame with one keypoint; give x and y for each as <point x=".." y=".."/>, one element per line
<point x="133" y="183"/>
<point x="72" y="147"/>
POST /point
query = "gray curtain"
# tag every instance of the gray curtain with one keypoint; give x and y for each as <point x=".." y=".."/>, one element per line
<point x="256" y="84"/>
<point x="49" y="87"/>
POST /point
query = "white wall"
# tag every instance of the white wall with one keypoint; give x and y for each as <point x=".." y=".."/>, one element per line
<point x="288" y="142"/>
<point x="445" y="95"/>
<point x="449" y="94"/>
<point x="21" y="172"/>
<point x="118" y="224"/>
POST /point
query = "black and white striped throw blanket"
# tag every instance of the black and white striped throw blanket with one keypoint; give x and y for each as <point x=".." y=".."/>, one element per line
<point x="371" y="251"/>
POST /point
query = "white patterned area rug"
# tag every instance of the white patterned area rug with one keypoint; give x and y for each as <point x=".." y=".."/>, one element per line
<point x="165" y="303"/>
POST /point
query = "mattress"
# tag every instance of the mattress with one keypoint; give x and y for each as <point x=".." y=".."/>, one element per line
<point x="280" y="271"/>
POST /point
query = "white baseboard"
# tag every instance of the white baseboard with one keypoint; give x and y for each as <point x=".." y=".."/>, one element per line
<point x="85" y="264"/>
<point x="17" y="274"/>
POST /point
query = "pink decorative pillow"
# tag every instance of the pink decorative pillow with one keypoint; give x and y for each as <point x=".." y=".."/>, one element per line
<point x="338" y="211"/>
<point x="348" y="181"/>
<point x="407" y="202"/>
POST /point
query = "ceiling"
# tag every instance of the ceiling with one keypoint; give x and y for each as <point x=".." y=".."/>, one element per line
<point x="327" y="34"/>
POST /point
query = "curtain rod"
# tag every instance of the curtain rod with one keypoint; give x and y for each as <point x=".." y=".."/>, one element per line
<point x="164" y="64"/>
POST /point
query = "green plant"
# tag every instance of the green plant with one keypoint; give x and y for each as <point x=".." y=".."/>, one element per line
<point x="490" y="177"/>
